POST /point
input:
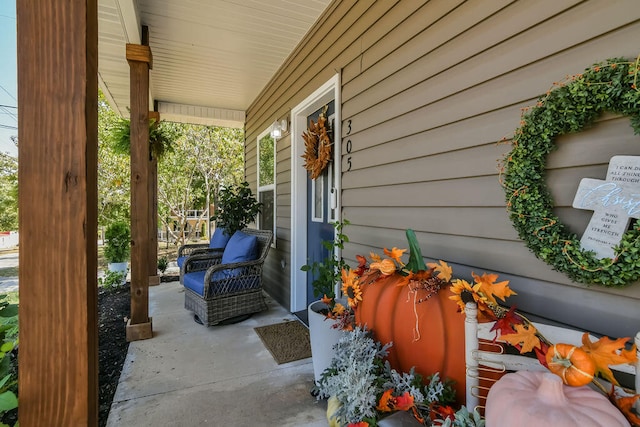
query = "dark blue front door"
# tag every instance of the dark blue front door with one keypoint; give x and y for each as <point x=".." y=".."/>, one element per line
<point x="320" y="210"/>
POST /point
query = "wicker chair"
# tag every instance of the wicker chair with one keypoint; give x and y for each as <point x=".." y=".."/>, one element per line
<point x="230" y="292"/>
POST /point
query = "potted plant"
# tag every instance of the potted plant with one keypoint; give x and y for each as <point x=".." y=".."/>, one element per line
<point x="236" y="208"/>
<point x="117" y="248"/>
<point x="327" y="317"/>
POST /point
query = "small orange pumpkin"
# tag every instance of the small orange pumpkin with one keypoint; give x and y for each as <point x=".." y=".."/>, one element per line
<point x="571" y="363"/>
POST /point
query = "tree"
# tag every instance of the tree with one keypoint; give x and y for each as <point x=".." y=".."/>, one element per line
<point x="220" y="165"/>
<point x="206" y="158"/>
<point x="114" y="170"/>
<point x="8" y="192"/>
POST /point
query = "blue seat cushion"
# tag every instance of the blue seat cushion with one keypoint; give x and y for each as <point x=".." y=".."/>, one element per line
<point x="219" y="239"/>
<point x="181" y="260"/>
<point x="241" y="247"/>
<point x="195" y="281"/>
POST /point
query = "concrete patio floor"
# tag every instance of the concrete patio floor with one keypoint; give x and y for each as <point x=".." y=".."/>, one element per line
<point x="191" y="375"/>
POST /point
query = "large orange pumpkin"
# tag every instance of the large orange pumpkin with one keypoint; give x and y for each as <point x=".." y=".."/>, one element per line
<point x="428" y="335"/>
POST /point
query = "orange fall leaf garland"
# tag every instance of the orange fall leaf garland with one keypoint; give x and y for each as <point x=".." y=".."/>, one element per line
<point x="575" y="365"/>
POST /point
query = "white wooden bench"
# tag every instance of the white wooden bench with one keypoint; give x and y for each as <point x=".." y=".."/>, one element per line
<point x="483" y="365"/>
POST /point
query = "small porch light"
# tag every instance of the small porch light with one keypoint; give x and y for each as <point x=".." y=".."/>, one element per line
<point x="277" y="128"/>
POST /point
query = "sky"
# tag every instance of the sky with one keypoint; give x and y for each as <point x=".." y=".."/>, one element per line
<point x="8" y="77"/>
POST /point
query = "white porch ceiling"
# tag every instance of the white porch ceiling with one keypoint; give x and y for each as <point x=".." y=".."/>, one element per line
<point x="211" y="58"/>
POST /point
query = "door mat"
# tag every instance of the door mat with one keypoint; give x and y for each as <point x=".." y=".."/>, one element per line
<point x="286" y="341"/>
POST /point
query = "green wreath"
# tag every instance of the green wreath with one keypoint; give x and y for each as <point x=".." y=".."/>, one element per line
<point x="570" y="107"/>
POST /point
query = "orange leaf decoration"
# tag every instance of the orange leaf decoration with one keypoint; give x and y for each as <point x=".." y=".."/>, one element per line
<point x="404" y="402"/>
<point x="605" y="352"/>
<point x="443" y="269"/>
<point x="389" y="403"/>
<point x="491" y="289"/>
<point x="524" y="336"/>
<point x="386" y="401"/>
<point x="626" y="405"/>
<point x="395" y="254"/>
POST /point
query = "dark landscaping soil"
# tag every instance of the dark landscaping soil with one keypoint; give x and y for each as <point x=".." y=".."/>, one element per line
<point x="113" y="312"/>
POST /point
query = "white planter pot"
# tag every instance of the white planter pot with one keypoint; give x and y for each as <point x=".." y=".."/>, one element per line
<point x="323" y="337"/>
<point x="119" y="267"/>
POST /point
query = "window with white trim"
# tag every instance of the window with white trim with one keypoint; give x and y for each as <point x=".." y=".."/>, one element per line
<point x="267" y="182"/>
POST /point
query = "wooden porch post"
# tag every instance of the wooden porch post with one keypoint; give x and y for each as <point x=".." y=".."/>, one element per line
<point x="139" y="326"/>
<point x="154" y="279"/>
<point x="57" y="105"/>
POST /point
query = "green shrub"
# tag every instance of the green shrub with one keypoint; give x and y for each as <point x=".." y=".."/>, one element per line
<point x="117" y="242"/>
<point x="111" y="279"/>
<point x="163" y="263"/>
<point x="236" y="208"/>
<point x="8" y="359"/>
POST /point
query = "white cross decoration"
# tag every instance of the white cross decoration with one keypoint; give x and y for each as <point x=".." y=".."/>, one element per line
<point x="613" y="201"/>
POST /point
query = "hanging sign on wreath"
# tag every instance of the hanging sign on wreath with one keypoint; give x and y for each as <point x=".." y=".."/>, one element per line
<point x="317" y="146"/>
<point x="570" y="107"/>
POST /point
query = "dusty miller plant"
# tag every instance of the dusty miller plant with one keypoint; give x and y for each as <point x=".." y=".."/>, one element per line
<point x="353" y="376"/>
<point x="464" y="418"/>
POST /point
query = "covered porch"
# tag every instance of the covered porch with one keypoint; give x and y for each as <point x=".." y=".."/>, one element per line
<point x="426" y="95"/>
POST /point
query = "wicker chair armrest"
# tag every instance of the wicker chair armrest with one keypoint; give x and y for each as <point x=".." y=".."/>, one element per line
<point x="207" y="251"/>
<point x="212" y="269"/>
<point x="186" y="250"/>
<point x="255" y="267"/>
<point x="200" y="261"/>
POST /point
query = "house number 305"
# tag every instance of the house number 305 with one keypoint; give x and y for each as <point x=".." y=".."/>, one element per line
<point x="349" y="145"/>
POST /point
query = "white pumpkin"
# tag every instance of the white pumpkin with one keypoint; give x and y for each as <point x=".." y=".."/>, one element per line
<point x="528" y="399"/>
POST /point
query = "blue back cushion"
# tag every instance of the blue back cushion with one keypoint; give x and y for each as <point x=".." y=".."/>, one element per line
<point x="180" y="260"/>
<point x="241" y="247"/>
<point x="219" y="238"/>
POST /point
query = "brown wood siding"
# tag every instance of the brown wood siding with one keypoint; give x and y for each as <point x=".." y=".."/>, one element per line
<point x="430" y="90"/>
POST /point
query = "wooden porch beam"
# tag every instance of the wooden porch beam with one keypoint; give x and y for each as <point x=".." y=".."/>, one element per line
<point x="57" y="106"/>
<point x="139" y="57"/>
